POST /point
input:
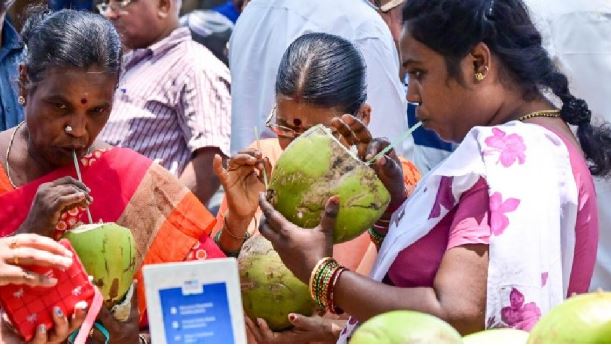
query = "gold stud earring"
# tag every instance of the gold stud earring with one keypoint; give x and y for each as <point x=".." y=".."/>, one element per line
<point x="21" y="100"/>
<point x="480" y="76"/>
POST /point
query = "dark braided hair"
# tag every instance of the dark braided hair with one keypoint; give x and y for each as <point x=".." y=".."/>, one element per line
<point x="453" y="27"/>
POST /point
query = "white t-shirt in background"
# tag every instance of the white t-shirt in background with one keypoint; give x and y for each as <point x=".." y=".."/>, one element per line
<point x="267" y="27"/>
<point x="577" y="34"/>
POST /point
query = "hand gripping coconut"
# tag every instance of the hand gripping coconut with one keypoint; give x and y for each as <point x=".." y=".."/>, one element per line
<point x="316" y="166"/>
<point x="108" y="252"/>
<point x="269" y="289"/>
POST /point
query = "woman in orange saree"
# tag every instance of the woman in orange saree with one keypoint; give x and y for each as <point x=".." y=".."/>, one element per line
<point x="321" y="76"/>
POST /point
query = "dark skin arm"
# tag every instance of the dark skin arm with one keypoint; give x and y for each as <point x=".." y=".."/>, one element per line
<point x="51" y="200"/>
<point x="199" y="176"/>
<point x="459" y="301"/>
<point x="456" y="300"/>
<point x="126" y="332"/>
<point x="242" y="181"/>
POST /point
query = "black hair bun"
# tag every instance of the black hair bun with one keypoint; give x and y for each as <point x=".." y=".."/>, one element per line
<point x="35" y="15"/>
<point x="576" y="112"/>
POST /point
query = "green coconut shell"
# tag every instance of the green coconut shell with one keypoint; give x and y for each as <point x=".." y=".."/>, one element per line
<point x="497" y="336"/>
<point x="582" y="319"/>
<point x="405" y="327"/>
<point x="316" y="166"/>
<point x="269" y="289"/>
<point x="108" y="253"/>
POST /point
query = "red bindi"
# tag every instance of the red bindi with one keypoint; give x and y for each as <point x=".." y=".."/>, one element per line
<point x="297" y="122"/>
<point x="84" y="100"/>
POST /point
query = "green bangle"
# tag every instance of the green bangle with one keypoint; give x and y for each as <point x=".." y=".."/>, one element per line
<point x="322" y="277"/>
<point x="376" y="237"/>
<point x="217" y="240"/>
<point x="99" y="326"/>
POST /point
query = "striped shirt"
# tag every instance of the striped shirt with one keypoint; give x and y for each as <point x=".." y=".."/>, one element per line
<point x="173" y="99"/>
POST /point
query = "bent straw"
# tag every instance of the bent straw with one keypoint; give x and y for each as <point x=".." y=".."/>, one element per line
<point x="259" y="148"/>
<point x="80" y="178"/>
<point x="394" y="143"/>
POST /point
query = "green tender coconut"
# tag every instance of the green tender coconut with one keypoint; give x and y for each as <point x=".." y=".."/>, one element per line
<point x="582" y="319"/>
<point x="405" y="327"/>
<point x="313" y="168"/>
<point x="497" y="336"/>
<point x="108" y="253"/>
<point x="269" y="290"/>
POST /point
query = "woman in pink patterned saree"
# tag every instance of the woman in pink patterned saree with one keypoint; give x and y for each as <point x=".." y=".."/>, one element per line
<point x="506" y="227"/>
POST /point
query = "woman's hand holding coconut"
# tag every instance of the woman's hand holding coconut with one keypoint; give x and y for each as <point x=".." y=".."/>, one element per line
<point x="52" y="199"/>
<point x="306" y="330"/>
<point x="301" y="249"/>
<point x="388" y="167"/>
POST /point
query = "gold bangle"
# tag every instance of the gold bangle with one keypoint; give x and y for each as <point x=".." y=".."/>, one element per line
<point x="226" y="229"/>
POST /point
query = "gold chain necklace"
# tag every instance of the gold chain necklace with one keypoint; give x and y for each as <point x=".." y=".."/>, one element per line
<point x="8" y="152"/>
<point x="550" y="113"/>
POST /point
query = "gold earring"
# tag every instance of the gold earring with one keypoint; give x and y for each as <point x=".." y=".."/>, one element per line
<point x="21" y="100"/>
<point x="480" y="76"/>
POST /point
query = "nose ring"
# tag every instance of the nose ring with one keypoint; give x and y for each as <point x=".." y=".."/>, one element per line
<point x="68" y="129"/>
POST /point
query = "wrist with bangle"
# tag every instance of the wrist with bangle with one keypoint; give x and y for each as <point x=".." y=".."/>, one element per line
<point x="323" y="281"/>
<point x="97" y="326"/>
<point x="379" y="229"/>
<point x="225" y="229"/>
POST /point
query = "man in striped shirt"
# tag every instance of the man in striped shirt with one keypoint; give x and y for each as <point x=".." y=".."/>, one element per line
<point x="173" y="101"/>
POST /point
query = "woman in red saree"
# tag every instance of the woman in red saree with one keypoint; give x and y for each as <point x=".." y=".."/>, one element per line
<point x="67" y="86"/>
<point x="166" y="218"/>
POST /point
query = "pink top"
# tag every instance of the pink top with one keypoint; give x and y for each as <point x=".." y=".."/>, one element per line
<point x="468" y="223"/>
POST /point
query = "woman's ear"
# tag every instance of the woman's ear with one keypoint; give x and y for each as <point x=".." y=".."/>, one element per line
<point x="167" y="8"/>
<point x="364" y="113"/>
<point x="481" y="59"/>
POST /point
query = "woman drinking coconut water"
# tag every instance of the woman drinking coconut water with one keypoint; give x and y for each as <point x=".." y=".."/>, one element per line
<point x="506" y="227"/>
<point x="320" y="77"/>
<point x="67" y="84"/>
